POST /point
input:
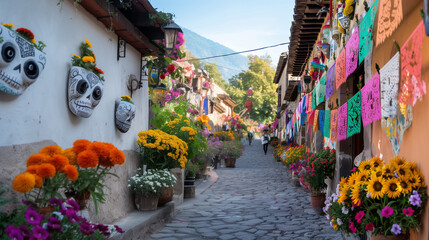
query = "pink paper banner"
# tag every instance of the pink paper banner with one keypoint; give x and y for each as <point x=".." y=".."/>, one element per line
<point x="342" y="122"/>
<point x="412" y="87"/>
<point x="371" y="105"/>
<point x="340" y="69"/>
<point x="334" y="123"/>
<point x="330" y="82"/>
<point x="352" y="52"/>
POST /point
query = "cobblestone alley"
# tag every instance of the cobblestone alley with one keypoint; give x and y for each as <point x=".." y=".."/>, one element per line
<point x="255" y="200"/>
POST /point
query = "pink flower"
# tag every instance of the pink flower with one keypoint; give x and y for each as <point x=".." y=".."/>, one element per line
<point x="369" y="226"/>
<point x="387" y="212"/>
<point x="352" y="227"/>
<point x="359" y="216"/>
<point x="408" y="211"/>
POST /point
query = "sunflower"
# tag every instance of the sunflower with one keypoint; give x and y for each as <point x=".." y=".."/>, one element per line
<point x="365" y="166"/>
<point x="392" y="188"/>
<point x="87" y="159"/>
<point x="51" y="150"/>
<point x="376" y="162"/>
<point x="375" y="187"/>
<point x="24" y="182"/>
<point x="80" y="145"/>
<point x="414" y="180"/>
<point x="71" y="172"/>
<point x="59" y="161"/>
<point x="388" y="171"/>
<point x="46" y="170"/>
<point x="362" y="178"/>
<point x="397" y="161"/>
<point x="343" y="181"/>
<point x="412" y="166"/>
<point x="403" y="170"/>
<point x="356" y="198"/>
<point x="406" y="186"/>
<point x="353" y="178"/>
<point x="36" y="159"/>
<point x="343" y="195"/>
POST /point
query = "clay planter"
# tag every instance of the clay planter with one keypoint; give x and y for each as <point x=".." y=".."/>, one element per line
<point x="81" y="199"/>
<point x="318" y="202"/>
<point x="230" y="162"/>
<point x="46" y="210"/>
<point x="145" y="203"/>
<point x="167" y="196"/>
<point x="391" y="237"/>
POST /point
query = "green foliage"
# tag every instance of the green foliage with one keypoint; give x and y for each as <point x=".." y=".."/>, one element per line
<point x="215" y="74"/>
<point x="191" y="169"/>
<point x="259" y="77"/>
<point x="197" y="63"/>
<point x="152" y="182"/>
<point x="161" y="18"/>
<point x="231" y="149"/>
<point x="319" y="166"/>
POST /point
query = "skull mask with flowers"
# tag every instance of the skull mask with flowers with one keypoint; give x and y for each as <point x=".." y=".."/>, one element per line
<point x="20" y="62"/>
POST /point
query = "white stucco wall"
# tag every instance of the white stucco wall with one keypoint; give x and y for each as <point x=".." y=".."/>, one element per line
<point x="42" y="113"/>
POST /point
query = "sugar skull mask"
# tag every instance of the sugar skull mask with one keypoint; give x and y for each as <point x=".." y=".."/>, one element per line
<point x="20" y="62"/>
<point x="125" y="112"/>
<point x="84" y="91"/>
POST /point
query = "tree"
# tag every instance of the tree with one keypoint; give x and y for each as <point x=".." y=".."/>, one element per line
<point x="259" y="77"/>
<point x="215" y="74"/>
<point x="197" y="63"/>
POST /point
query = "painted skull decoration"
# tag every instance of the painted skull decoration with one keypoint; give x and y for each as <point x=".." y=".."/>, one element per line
<point x="20" y="62"/>
<point x="85" y="90"/>
<point x="125" y="112"/>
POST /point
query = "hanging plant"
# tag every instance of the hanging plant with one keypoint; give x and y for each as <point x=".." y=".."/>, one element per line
<point x="161" y="18"/>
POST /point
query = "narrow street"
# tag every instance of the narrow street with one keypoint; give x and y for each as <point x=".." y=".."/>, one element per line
<point x="255" y="200"/>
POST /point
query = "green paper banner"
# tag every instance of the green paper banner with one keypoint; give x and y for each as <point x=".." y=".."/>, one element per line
<point x="327" y="127"/>
<point x="365" y="32"/>
<point x="353" y="115"/>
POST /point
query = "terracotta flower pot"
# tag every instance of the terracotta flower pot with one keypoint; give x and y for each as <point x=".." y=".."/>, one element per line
<point x="144" y="203"/>
<point x="318" y="202"/>
<point x="167" y="196"/>
<point x="230" y="162"/>
<point x="390" y="237"/>
<point x="46" y="210"/>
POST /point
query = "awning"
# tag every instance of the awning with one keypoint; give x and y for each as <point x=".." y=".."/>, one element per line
<point x="292" y="91"/>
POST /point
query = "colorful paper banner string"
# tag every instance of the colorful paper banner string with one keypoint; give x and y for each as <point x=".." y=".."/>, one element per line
<point x="370" y="98"/>
<point x="327" y="125"/>
<point x="365" y="32"/>
<point x="342" y="122"/>
<point x="330" y="82"/>
<point x="334" y="124"/>
<point x="309" y="102"/>
<point x="340" y="69"/>
<point x="320" y="90"/>
<point x="389" y="79"/>
<point x="396" y="126"/>
<point x="316" y="121"/>
<point x="313" y="99"/>
<point x="354" y="123"/>
<point x="352" y="52"/>
<point x="389" y="17"/>
<point x="311" y="118"/>
<point x="412" y="86"/>
<point x="321" y="121"/>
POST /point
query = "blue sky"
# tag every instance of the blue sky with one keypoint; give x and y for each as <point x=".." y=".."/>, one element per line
<point x="237" y="24"/>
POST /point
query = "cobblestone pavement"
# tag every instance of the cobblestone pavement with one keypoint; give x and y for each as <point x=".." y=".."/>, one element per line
<point x="255" y="200"/>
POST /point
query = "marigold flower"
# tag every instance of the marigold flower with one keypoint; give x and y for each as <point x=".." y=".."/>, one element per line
<point x="39" y="181"/>
<point x="76" y="56"/>
<point x="70" y="155"/>
<point x="88" y="59"/>
<point x="87" y="159"/>
<point x="117" y="157"/>
<point x="9" y="25"/>
<point x="36" y="159"/>
<point x="51" y="150"/>
<point x="32" y="169"/>
<point x="71" y="172"/>
<point x="59" y="161"/>
<point x="80" y="145"/>
<point x="98" y="70"/>
<point x="26" y="32"/>
<point x="87" y="42"/>
<point x="46" y="170"/>
<point x="24" y="182"/>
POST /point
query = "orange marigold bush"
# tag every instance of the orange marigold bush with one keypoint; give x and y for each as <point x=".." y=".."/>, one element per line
<point x="37" y="159"/>
<point x="51" y="150"/>
<point x="80" y="145"/>
<point x="59" y="161"/>
<point x="87" y="159"/>
<point x="117" y="157"/>
<point x="71" y="172"/>
<point x="24" y="182"/>
<point x="39" y="181"/>
<point x="32" y="169"/>
<point x="70" y="155"/>
<point x="46" y="170"/>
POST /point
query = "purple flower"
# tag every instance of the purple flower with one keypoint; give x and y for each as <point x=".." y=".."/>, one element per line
<point x="40" y="233"/>
<point x="386" y="212"/>
<point x="396" y="229"/>
<point x="32" y="217"/>
<point x="104" y="229"/>
<point x="86" y="228"/>
<point x="415" y="199"/>
<point x="13" y="232"/>
<point x="73" y="204"/>
<point x="24" y="231"/>
<point x="55" y="202"/>
<point x="54" y="224"/>
<point x="118" y="229"/>
<point x="29" y="203"/>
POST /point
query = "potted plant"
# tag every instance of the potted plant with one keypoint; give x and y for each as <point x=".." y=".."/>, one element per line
<point x="168" y="180"/>
<point x="385" y="199"/>
<point x="230" y="151"/>
<point x="191" y="170"/>
<point x="147" y="187"/>
<point x="319" y="167"/>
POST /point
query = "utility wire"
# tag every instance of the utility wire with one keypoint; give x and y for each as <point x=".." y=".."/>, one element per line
<point x="235" y="53"/>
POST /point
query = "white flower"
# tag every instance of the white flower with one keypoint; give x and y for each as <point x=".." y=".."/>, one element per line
<point x="344" y="210"/>
<point x="339" y="222"/>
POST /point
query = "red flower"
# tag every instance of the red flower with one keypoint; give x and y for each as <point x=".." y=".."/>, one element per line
<point x="27" y="33"/>
<point x="171" y="68"/>
<point x="98" y="70"/>
<point x="333" y="151"/>
<point x="162" y="76"/>
<point x="369" y="226"/>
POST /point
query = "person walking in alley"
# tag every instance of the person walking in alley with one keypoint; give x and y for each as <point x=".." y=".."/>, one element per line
<point x="250" y="137"/>
<point x="265" y="140"/>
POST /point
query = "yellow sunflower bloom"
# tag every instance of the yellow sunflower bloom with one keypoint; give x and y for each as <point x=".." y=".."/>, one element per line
<point x="414" y="180"/>
<point x="352" y="178"/>
<point x="398" y="161"/>
<point x="356" y="192"/>
<point x="365" y="166"/>
<point x="362" y="178"/>
<point x="375" y="187"/>
<point x="406" y="186"/>
<point x="388" y="171"/>
<point x="392" y="188"/>
<point x="376" y="162"/>
<point x="403" y="170"/>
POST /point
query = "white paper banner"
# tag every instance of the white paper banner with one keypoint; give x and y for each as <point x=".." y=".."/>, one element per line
<point x="389" y="80"/>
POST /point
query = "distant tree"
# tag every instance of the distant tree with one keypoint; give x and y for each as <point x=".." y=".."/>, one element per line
<point x="259" y="77"/>
<point x="197" y="63"/>
<point x="215" y="74"/>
